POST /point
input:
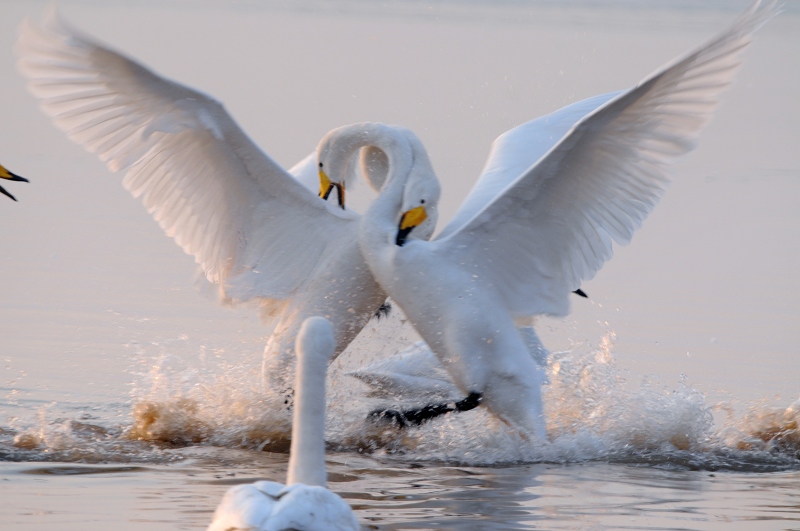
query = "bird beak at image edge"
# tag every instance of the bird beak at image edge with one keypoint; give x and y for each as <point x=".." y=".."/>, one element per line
<point x="408" y="221"/>
<point x="7" y="175"/>
<point x="325" y="187"/>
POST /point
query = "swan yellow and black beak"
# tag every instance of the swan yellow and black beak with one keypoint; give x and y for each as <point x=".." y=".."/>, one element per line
<point x="408" y="221"/>
<point x="7" y="175"/>
<point x="325" y="187"/>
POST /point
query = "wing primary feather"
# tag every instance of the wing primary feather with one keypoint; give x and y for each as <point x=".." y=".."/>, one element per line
<point x="599" y="182"/>
<point x="183" y="156"/>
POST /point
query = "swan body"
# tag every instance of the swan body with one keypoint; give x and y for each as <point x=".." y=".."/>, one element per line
<point x="7" y="175"/>
<point x="258" y="232"/>
<point x="548" y="225"/>
<point x="304" y="504"/>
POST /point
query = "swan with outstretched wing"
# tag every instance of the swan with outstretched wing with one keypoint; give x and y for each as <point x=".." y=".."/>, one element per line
<point x="544" y="230"/>
<point x="415" y="372"/>
<point x="256" y="231"/>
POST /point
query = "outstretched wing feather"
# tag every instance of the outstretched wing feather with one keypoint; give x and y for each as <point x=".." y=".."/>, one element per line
<point x="554" y="226"/>
<point x="202" y="179"/>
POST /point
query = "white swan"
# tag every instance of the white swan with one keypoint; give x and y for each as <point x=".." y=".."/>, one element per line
<point x="551" y="227"/>
<point x="412" y="372"/>
<point x="253" y="228"/>
<point x="415" y="372"/>
<point x="7" y="175"/>
<point x="304" y="504"/>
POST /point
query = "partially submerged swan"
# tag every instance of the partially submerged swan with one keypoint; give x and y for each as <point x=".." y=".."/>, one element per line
<point x="548" y="224"/>
<point x="303" y="504"/>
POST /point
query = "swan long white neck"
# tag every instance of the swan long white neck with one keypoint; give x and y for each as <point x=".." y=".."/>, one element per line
<point x="315" y="346"/>
<point x="379" y="225"/>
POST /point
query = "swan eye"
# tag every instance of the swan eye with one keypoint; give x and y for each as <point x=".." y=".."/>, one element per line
<point x="422" y="201"/>
<point x="320" y="164"/>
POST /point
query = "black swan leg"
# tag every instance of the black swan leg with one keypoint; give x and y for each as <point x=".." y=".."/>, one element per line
<point x="414" y="417"/>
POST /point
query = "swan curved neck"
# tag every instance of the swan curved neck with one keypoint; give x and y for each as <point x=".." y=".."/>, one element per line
<point x="399" y="146"/>
<point x="388" y="148"/>
<point x="307" y="460"/>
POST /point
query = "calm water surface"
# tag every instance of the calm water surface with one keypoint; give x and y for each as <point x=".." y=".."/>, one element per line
<point x="129" y="399"/>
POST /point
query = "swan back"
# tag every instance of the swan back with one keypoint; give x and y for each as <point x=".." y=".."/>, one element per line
<point x="315" y="346"/>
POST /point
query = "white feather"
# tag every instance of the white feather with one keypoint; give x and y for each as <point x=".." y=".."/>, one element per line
<point x="223" y="200"/>
<point x="255" y="230"/>
<point x="515" y="151"/>
<point x="521" y="243"/>
<point x="554" y="225"/>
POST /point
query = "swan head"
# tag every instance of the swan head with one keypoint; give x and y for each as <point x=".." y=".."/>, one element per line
<point x="333" y="158"/>
<point x="316" y="340"/>
<point x="326" y="186"/>
<point x="419" y="210"/>
<point x="368" y="150"/>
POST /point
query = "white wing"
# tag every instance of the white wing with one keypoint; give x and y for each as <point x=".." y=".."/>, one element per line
<point x="208" y="186"/>
<point x="515" y="151"/>
<point x="412" y="373"/>
<point x="553" y="227"/>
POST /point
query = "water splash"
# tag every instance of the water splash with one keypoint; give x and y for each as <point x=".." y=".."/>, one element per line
<point x="593" y="414"/>
<point x="73" y="441"/>
<point x="220" y="405"/>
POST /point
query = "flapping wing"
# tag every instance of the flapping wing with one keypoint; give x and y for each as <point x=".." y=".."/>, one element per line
<point x="223" y="200"/>
<point x="515" y="151"/>
<point x="554" y="226"/>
